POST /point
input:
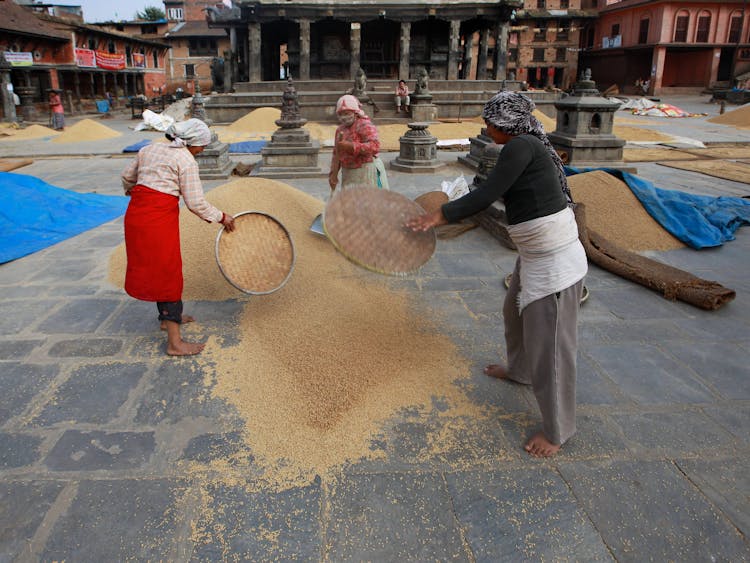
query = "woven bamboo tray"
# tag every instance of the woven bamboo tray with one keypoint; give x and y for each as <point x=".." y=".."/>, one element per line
<point x="366" y="225"/>
<point x="258" y="256"/>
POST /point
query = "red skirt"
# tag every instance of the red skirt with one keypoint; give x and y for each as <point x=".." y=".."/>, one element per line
<point x="152" y="244"/>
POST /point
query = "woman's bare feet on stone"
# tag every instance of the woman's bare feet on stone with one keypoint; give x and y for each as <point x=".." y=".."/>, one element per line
<point x="185" y="319"/>
<point x="183" y="348"/>
<point x="539" y="446"/>
<point x="497" y="371"/>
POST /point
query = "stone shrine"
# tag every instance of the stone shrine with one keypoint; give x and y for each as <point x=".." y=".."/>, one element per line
<point x="418" y="151"/>
<point x="213" y="162"/>
<point x="291" y="153"/>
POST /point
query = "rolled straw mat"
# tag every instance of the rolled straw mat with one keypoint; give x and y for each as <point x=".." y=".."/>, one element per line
<point x="258" y="256"/>
<point x="366" y="225"/>
<point x="432" y="201"/>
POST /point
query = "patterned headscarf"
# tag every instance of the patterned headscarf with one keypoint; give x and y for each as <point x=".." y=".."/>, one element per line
<point x="350" y="103"/>
<point x="511" y="113"/>
<point x="191" y="133"/>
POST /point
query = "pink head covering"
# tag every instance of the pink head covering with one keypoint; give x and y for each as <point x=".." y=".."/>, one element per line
<point x="349" y="103"/>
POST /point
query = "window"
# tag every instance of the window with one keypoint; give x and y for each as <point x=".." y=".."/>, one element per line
<point x="111" y="47"/>
<point x="155" y="54"/>
<point x="189" y="71"/>
<point x="538" y="55"/>
<point x="643" y="32"/>
<point x="541" y="33"/>
<point x="562" y="33"/>
<point x="513" y="55"/>
<point x="735" y="29"/>
<point x="560" y="54"/>
<point x="128" y="55"/>
<point x="681" y="28"/>
<point x="615" y="30"/>
<point x="564" y="4"/>
<point x="92" y="44"/>
<point x="202" y="48"/>
<point x="541" y="4"/>
<point x="174" y="13"/>
<point x="704" y="24"/>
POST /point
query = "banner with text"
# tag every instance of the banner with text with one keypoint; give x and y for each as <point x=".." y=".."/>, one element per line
<point x="85" y="58"/>
<point x="110" y="61"/>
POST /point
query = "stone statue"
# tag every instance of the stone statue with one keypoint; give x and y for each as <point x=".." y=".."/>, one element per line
<point x="360" y="83"/>
<point x="217" y="73"/>
<point x="422" y="81"/>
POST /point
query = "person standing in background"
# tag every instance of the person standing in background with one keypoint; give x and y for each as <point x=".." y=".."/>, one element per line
<point x="57" y="113"/>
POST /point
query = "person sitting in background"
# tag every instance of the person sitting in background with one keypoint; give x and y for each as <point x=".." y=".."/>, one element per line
<point x="402" y="96"/>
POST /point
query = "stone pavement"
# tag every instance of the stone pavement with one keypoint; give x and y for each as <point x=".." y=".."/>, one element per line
<point x="96" y="425"/>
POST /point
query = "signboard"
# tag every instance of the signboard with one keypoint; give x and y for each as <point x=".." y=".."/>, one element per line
<point x="139" y="60"/>
<point x="16" y="58"/>
<point x="85" y="58"/>
<point x="110" y="61"/>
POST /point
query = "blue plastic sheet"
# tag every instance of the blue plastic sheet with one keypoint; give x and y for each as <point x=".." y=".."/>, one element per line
<point x="248" y="147"/>
<point x="135" y="147"/>
<point x="697" y="220"/>
<point x="35" y="215"/>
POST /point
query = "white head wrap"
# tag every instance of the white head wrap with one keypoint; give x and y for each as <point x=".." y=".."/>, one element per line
<point x="191" y="133"/>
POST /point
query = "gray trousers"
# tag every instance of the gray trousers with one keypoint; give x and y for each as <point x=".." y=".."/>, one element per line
<point x="542" y="344"/>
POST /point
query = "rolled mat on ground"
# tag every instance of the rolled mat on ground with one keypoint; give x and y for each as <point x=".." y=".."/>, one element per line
<point x="671" y="282"/>
<point x="697" y="220"/>
<point x="36" y="215"/>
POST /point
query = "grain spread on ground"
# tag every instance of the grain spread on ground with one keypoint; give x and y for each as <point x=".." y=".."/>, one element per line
<point x="735" y="171"/>
<point x="616" y="214"/>
<point x="28" y="133"/>
<point x="655" y="154"/>
<point x="86" y="130"/>
<point x="739" y="117"/>
<point x="323" y="364"/>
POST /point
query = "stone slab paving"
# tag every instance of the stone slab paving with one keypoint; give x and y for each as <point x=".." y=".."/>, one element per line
<point x="97" y="426"/>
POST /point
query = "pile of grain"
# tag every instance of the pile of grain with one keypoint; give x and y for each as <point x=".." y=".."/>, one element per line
<point x="30" y="132"/>
<point x="616" y="214"/>
<point x="549" y="123"/>
<point x="324" y="362"/>
<point x="86" y="130"/>
<point x="739" y="117"/>
<point x="260" y="120"/>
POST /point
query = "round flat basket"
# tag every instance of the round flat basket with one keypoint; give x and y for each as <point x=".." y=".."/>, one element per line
<point x="258" y="256"/>
<point x="432" y="201"/>
<point x="366" y="225"/>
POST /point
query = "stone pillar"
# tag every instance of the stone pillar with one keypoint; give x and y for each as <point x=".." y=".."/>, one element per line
<point x="231" y="60"/>
<point x="714" y="71"/>
<point x="77" y="91"/>
<point x="501" y="51"/>
<point x="304" y="49"/>
<point x="405" y="46"/>
<point x="355" y="45"/>
<point x="453" y="50"/>
<point x="253" y="52"/>
<point x="484" y="39"/>
<point x="26" y="93"/>
<point x="92" y="85"/>
<point x="657" y="70"/>
<point x="9" y="106"/>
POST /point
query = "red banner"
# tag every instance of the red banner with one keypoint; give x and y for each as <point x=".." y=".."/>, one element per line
<point x="139" y="60"/>
<point x="85" y="57"/>
<point x="110" y="61"/>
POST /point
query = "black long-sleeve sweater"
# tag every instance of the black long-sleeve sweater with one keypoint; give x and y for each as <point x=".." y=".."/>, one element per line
<point x="525" y="177"/>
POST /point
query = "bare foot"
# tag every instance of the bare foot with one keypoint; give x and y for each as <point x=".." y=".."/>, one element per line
<point x="539" y="446"/>
<point x="183" y="348"/>
<point x="497" y="371"/>
<point x="185" y="319"/>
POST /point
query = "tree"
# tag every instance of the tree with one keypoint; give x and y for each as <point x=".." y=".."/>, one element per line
<point x="151" y="13"/>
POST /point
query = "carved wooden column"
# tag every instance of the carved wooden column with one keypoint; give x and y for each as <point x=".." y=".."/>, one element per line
<point x="304" y="49"/>
<point x="253" y="52"/>
<point x="355" y="40"/>
<point x="405" y="44"/>
<point x="501" y="50"/>
<point x="484" y="39"/>
<point x="453" y="50"/>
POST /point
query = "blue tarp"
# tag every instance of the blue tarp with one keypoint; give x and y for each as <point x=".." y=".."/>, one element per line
<point x="697" y="220"/>
<point x="247" y="146"/>
<point x="135" y="147"/>
<point x="35" y="215"/>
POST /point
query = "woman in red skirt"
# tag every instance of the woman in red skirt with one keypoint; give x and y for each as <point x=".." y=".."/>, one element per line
<point x="155" y="180"/>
